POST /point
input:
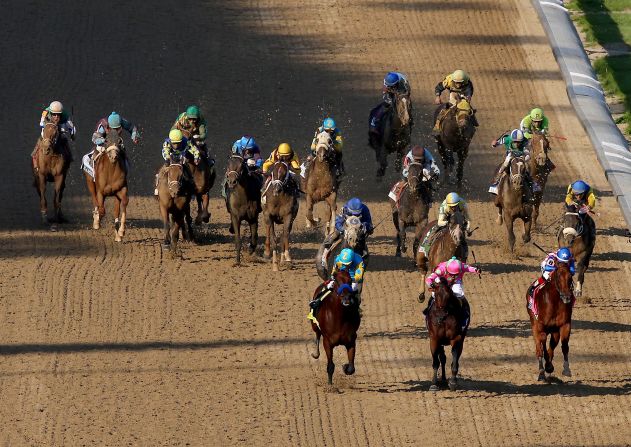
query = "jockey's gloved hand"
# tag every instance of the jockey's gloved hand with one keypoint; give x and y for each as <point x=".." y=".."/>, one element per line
<point x="135" y="137"/>
<point x="251" y="163"/>
<point x="478" y="270"/>
<point x="330" y="284"/>
<point x="354" y="286"/>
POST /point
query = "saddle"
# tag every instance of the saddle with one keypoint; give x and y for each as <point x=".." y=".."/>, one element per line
<point x="397" y="191"/>
<point x="431" y="236"/>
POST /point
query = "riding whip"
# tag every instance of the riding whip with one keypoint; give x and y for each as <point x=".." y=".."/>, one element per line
<point x="558" y="137"/>
<point x="537" y="245"/>
<point x="556" y="221"/>
<point x="380" y="222"/>
<point x="475" y="261"/>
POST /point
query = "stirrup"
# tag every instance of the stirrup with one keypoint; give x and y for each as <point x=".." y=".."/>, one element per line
<point x="493" y="189"/>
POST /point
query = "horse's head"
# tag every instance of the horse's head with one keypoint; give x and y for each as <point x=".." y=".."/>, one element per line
<point x="234" y="171"/>
<point x="50" y="134"/>
<point x="572" y="227"/>
<point x="563" y="281"/>
<point x="457" y="224"/>
<point x="353" y="231"/>
<point x="442" y="293"/>
<point x="402" y="105"/>
<point x="517" y="171"/>
<point x="175" y="177"/>
<point x="415" y="177"/>
<point x="114" y="145"/>
<point x="539" y="146"/>
<point x="280" y="175"/>
<point x="324" y="144"/>
<point x="343" y="287"/>
<point x="464" y="113"/>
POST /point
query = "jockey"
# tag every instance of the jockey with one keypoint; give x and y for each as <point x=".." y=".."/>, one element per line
<point x="394" y="84"/>
<point x="176" y="146"/>
<point x="549" y="265"/>
<point x="580" y="195"/>
<point x="458" y="84"/>
<point x="285" y="153"/>
<point x="534" y="121"/>
<point x="192" y="122"/>
<point x="56" y="114"/>
<point x="114" y="123"/>
<point x="420" y="155"/>
<point x="516" y="146"/>
<point x="452" y="203"/>
<point x="329" y="126"/>
<point x="351" y="262"/>
<point x="453" y="271"/>
<point x="247" y="148"/>
<point x="354" y="207"/>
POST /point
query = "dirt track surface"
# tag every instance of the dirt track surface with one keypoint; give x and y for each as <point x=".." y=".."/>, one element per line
<point x="118" y="344"/>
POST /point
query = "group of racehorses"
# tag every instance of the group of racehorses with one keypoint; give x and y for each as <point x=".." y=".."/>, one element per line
<point x="248" y="195"/>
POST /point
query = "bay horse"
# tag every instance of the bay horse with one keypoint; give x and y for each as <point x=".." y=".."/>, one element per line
<point x="243" y="202"/>
<point x="353" y="237"/>
<point x="456" y="132"/>
<point x="512" y="201"/>
<point x="338" y="321"/>
<point x="444" y="327"/>
<point x="320" y="182"/>
<point x="175" y="189"/>
<point x="554" y="305"/>
<point x="110" y="180"/>
<point x="280" y="207"/>
<point x="448" y="242"/>
<point x="397" y="131"/>
<point x="203" y="175"/>
<point x="50" y="163"/>
<point x="412" y="208"/>
<point x="578" y="233"/>
<point x="539" y="167"/>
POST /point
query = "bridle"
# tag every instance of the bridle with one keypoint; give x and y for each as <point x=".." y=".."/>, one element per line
<point x="564" y="297"/>
<point x="278" y="183"/>
<point x="174" y="185"/>
<point x="234" y="174"/>
<point x="516" y="178"/>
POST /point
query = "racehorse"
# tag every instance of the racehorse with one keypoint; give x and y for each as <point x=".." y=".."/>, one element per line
<point x="203" y="175"/>
<point x="512" y="201"/>
<point x="243" y="202"/>
<point x="175" y="188"/>
<point x="456" y="132"/>
<point x="397" y="130"/>
<point x="51" y="162"/>
<point x="412" y="208"/>
<point x="338" y="321"/>
<point x="554" y="306"/>
<point x="280" y="207"/>
<point x="539" y="167"/>
<point x="578" y="233"/>
<point x="444" y="328"/>
<point x="447" y="242"/>
<point x="110" y="180"/>
<point x="320" y="182"/>
<point x="353" y="237"/>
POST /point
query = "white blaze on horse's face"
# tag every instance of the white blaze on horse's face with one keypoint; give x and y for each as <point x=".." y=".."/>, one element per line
<point x="112" y="153"/>
<point x="324" y="143"/>
<point x="174" y="177"/>
<point x="517" y="168"/>
<point x="352" y="229"/>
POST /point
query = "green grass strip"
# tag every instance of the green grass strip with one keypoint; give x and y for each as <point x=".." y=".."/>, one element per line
<point x="612" y="73"/>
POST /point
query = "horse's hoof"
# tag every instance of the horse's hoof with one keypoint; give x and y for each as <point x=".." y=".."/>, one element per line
<point x="525" y="238"/>
<point x="315" y="355"/>
<point x="398" y="253"/>
<point x="453" y="384"/>
<point x="96" y="226"/>
<point x="567" y="372"/>
<point x="421" y="297"/>
<point x="542" y="376"/>
<point x="206" y="217"/>
<point x="231" y="229"/>
<point x="499" y="220"/>
<point x="198" y="220"/>
<point x="274" y="267"/>
<point x="348" y="369"/>
<point x="117" y="238"/>
<point x="434" y="387"/>
<point x="237" y="264"/>
<point x="166" y="246"/>
<point x="549" y="368"/>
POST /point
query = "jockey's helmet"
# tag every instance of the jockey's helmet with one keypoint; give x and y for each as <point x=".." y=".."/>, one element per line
<point x="247" y="142"/>
<point x="391" y="79"/>
<point x="175" y="136"/>
<point x="284" y="149"/>
<point x="517" y="136"/>
<point x="346" y="256"/>
<point x="354" y="206"/>
<point x="418" y="153"/>
<point x="192" y="112"/>
<point x="564" y="254"/>
<point x="114" y="120"/>
<point x="459" y="76"/>
<point x="536" y="115"/>
<point x="328" y="124"/>
<point x="454" y="266"/>
<point x="579" y="187"/>
<point x="453" y="199"/>
<point x="56" y="107"/>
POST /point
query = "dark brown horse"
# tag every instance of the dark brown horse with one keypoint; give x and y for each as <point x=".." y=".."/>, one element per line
<point x="540" y="167"/>
<point x="320" y="182"/>
<point x="175" y="188"/>
<point x="512" y="201"/>
<point x="444" y="328"/>
<point x="578" y="233"/>
<point x="243" y="202"/>
<point x="203" y="174"/>
<point x="51" y="162"/>
<point x="338" y="321"/>
<point x="397" y="129"/>
<point x="110" y="180"/>
<point x="412" y="209"/>
<point x="280" y="207"/>
<point x="447" y="242"/>
<point x="456" y="132"/>
<point x="554" y="306"/>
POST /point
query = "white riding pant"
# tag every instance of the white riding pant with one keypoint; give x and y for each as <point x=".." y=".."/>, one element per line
<point x="457" y="289"/>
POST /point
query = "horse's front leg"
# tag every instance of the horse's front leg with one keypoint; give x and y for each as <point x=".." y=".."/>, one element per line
<point x="178" y="222"/>
<point x="443" y="362"/>
<point x="316" y="348"/>
<point x="100" y="210"/>
<point x="349" y="368"/>
<point x="274" y="240"/>
<point x="330" y="366"/>
<point x="402" y="236"/>
<point x="434" y="347"/>
<point x="332" y="201"/>
<point x="418" y="233"/>
<point x="164" y="213"/>
<point x="254" y="236"/>
<point x="510" y="232"/>
<point x="456" y="352"/>
<point x="205" y="212"/>
<point x="565" y="331"/>
<point x="236" y="225"/>
<point x="198" y="218"/>
<point x="124" y="200"/>
<point x="527" y="229"/>
<point x="554" y="341"/>
<point x="288" y="224"/>
<point x="187" y="226"/>
<point x="310" y="223"/>
<point x="540" y="349"/>
<point x="43" y="205"/>
<point x="267" y="251"/>
<point x="60" y="185"/>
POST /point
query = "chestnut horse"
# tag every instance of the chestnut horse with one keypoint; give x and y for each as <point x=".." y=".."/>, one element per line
<point x="280" y="207"/>
<point x="444" y="328"/>
<point x="338" y="321"/>
<point x="175" y="188"/>
<point x="110" y="179"/>
<point x="50" y="164"/>
<point x="554" y="304"/>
